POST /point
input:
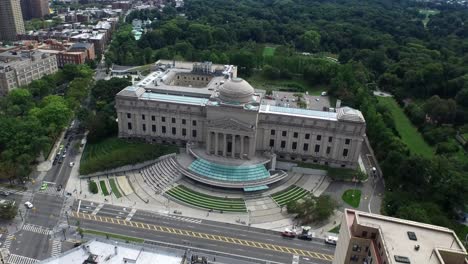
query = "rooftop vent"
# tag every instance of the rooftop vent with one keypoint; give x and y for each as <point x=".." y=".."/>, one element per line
<point x="416" y="247"/>
<point x="402" y="259"/>
<point x="412" y="236"/>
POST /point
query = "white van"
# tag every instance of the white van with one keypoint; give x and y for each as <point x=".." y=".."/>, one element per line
<point x="331" y="240"/>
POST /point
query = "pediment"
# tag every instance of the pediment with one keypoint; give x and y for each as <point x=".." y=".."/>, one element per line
<point x="230" y="124"/>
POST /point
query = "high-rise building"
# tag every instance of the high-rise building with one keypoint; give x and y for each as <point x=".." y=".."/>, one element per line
<point x="11" y="19"/>
<point x="34" y="8"/>
<point x="377" y="239"/>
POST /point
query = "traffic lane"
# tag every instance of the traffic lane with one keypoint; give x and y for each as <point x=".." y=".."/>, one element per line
<point x="192" y="242"/>
<point x="31" y="245"/>
<point x="219" y="229"/>
<point x="60" y="172"/>
<point x="46" y="211"/>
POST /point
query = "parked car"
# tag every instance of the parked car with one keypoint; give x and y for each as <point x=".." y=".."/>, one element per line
<point x="4" y="193"/>
<point x="28" y="205"/>
<point x="72" y="164"/>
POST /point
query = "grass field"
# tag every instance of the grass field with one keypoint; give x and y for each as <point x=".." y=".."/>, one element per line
<point x="428" y="13"/>
<point x="409" y="134"/>
<point x="104" y="190"/>
<point x="268" y="51"/>
<point x="352" y="197"/>
<point x="114" y="152"/>
<point x="114" y="188"/>
<point x="257" y="80"/>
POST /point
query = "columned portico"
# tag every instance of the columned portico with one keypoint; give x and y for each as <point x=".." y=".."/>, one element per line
<point x="232" y="145"/>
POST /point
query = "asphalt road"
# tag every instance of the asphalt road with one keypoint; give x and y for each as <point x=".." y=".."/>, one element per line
<point x="225" y="231"/>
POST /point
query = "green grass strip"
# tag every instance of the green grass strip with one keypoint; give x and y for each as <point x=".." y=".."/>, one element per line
<point x="201" y="203"/>
<point x="112" y="235"/>
<point x="114" y="188"/>
<point x="211" y="204"/>
<point x="104" y="188"/>
<point x="408" y="132"/>
<point x="211" y="198"/>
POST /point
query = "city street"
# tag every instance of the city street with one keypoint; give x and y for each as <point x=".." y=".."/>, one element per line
<point x="202" y="234"/>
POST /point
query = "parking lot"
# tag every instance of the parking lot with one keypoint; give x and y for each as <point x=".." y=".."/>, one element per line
<point x="288" y="99"/>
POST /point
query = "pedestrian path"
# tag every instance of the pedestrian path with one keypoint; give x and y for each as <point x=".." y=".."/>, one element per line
<point x="56" y="247"/>
<point x="37" y="229"/>
<point x="185" y="219"/>
<point x="8" y="241"/>
<point x="17" y="259"/>
<point x="130" y="215"/>
<point x="96" y="210"/>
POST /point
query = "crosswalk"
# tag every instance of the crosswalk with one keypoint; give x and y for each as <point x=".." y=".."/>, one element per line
<point x="52" y="190"/>
<point x="37" y="229"/>
<point x="8" y="241"/>
<point x="130" y="215"/>
<point x="185" y="219"/>
<point x="17" y="259"/>
<point x="56" y="247"/>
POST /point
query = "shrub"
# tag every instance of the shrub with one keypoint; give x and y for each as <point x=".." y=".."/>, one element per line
<point x="93" y="188"/>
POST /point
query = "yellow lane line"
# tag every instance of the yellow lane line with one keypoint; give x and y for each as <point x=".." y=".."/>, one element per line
<point x="230" y="240"/>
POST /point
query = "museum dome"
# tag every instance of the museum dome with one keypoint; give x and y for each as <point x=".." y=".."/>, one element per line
<point x="236" y="90"/>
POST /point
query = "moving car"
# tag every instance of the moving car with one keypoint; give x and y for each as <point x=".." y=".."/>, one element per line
<point x="28" y="205"/>
<point x="4" y="193"/>
<point x="331" y="240"/>
<point x="72" y="164"/>
<point x="43" y="186"/>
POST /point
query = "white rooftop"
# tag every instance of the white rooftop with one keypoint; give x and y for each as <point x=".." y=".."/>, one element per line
<point x="105" y="253"/>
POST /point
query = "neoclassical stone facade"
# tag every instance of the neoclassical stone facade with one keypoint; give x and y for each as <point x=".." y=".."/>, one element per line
<point x="227" y="118"/>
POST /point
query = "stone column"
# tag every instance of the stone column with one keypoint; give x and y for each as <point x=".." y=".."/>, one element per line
<point x="241" y="146"/>
<point x="216" y="143"/>
<point x="224" y="145"/>
<point x="233" y="152"/>
<point x="251" y="147"/>
<point x="208" y="143"/>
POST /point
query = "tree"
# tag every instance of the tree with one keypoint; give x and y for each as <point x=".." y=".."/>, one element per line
<point x="8" y="212"/>
<point x="310" y="40"/>
<point x="312" y="209"/>
<point x="462" y="97"/>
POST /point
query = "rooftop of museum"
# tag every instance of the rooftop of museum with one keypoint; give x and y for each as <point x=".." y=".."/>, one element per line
<point x="221" y="89"/>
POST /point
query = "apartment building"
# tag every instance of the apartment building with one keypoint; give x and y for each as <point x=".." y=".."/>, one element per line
<point x="367" y="238"/>
<point x="11" y="20"/>
<point x="19" y="68"/>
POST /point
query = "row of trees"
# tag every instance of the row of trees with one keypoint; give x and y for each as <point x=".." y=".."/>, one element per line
<point x="33" y="116"/>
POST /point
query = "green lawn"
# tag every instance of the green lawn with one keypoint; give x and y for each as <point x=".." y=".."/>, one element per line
<point x="104" y="190"/>
<point x="269" y="51"/>
<point x="428" y="13"/>
<point x="291" y="194"/>
<point x="114" y="188"/>
<point x="352" y="197"/>
<point x="112" y="235"/>
<point x="114" y="152"/>
<point x="335" y="230"/>
<point x="296" y="84"/>
<point x="409" y="134"/>
<point x="197" y="199"/>
<point x="342" y="174"/>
